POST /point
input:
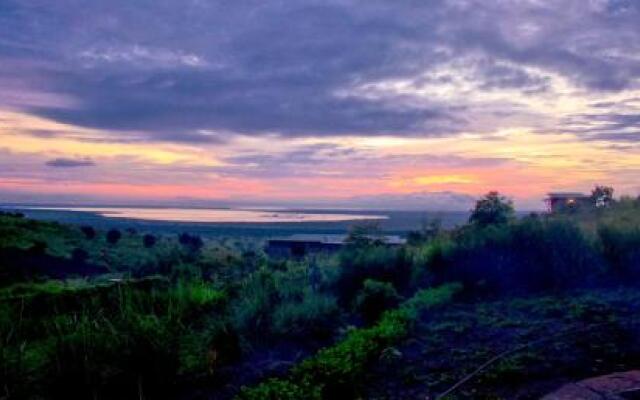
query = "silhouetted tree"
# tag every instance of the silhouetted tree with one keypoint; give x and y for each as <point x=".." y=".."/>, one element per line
<point x="79" y="255"/>
<point x="602" y="196"/>
<point x="192" y="242"/>
<point x="113" y="236"/>
<point x="491" y="209"/>
<point x="38" y="247"/>
<point x="88" y="232"/>
<point x="374" y="298"/>
<point x="149" y="240"/>
<point x="11" y="214"/>
<point x="364" y="234"/>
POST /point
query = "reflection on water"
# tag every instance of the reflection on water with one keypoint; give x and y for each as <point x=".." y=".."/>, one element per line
<point x="214" y="215"/>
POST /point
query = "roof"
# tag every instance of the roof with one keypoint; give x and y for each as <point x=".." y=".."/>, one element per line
<point x="335" y="238"/>
<point x="567" y="195"/>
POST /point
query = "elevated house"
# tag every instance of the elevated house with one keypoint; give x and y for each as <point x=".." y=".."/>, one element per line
<point x="304" y="244"/>
<point x="567" y="201"/>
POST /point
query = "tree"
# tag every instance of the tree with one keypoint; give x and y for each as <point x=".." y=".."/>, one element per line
<point x="88" y="231"/>
<point x="113" y="236"/>
<point x="602" y="196"/>
<point x="193" y="242"/>
<point x="79" y="255"/>
<point x="492" y="209"/>
<point x="374" y="298"/>
<point x="365" y="234"/>
<point x="149" y="240"/>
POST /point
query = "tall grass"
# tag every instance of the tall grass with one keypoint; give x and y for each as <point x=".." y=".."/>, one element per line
<point x="126" y="338"/>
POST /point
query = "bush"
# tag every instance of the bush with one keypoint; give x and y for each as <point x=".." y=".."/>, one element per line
<point x="374" y="298"/>
<point x="113" y="236"/>
<point x="88" y="231"/>
<point x="621" y="248"/>
<point x="133" y="339"/>
<point x="79" y="255"/>
<point x="379" y="262"/>
<point x="529" y="255"/>
<point x="192" y="242"/>
<point x="257" y="298"/>
<point x="338" y="371"/>
<point x="149" y="240"/>
<point x="314" y="316"/>
<point x="492" y="209"/>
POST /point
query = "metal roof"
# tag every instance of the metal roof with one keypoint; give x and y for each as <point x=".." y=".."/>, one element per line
<point x="335" y="238"/>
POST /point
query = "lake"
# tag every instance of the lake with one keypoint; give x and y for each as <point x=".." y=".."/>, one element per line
<point x="215" y="215"/>
<point x="238" y="221"/>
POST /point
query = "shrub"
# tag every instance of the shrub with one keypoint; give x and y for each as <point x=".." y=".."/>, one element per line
<point x="621" y="248"/>
<point x="79" y="255"/>
<point x="492" y="209"/>
<point x="88" y="231"/>
<point x="530" y="255"/>
<point x="192" y="242"/>
<point x="258" y="295"/>
<point x="113" y="236"/>
<point x="374" y="298"/>
<point x="149" y="240"/>
<point x="313" y="316"/>
<point x="378" y="262"/>
<point x="338" y="371"/>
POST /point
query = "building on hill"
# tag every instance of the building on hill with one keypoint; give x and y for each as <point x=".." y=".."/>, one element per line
<point x="304" y="244"/>
<point x="567" y="201"/>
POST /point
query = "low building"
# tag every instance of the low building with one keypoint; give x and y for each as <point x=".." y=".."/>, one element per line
<point x="304" y="244"/>
<point x="567" y="201"/>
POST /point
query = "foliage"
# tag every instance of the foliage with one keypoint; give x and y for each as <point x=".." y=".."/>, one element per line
<point x="113" y="236"/>
<point x="192" y="242"/>
<point x="602" y="196"/>
<point x="149" y="240"/>
<point x="493" y="208"/>
<point x="88" y="231"/>
<point x="371" y="261"/>
<point x="529" y="255"/>
<point x="337" y="371"/>
<point x="621" y="247"/>
<point x="374" y="298"/>
<point x="313" y="316"/>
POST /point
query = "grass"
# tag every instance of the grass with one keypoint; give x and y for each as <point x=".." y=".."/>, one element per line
<point x="138" y="335"/>
<point x="557" y="339"/>
<point x="224" y="315"/>
<point x="338" y="370"/>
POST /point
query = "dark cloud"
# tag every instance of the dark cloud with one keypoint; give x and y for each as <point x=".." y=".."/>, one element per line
<point x="611" y="127"/>
<point x="181" y="70"/>
<point x="494" y="76"/>
<point x="330" y="160"/>
<point x="70" y="163"/>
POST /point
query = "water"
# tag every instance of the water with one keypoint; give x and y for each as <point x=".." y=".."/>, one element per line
<point x="240" y="222"/>
<point x="216" y="215"/>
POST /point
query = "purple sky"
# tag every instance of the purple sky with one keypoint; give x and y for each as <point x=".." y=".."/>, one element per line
<point x="332" y="102"/>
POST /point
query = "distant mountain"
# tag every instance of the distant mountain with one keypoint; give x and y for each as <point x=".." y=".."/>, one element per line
<point x="423" y="201"/>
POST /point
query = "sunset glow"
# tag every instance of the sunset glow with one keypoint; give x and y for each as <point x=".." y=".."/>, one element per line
<point x="97" y="107"/>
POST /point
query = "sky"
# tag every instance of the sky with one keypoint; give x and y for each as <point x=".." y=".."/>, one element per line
<point x="404" y="104"/>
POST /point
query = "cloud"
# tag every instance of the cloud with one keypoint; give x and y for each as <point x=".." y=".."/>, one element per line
<point x="341" y="162"/>
<point x="177" y="70"/>
<point x="423" y="201"/>
<point x="612" y="127"/>
<point x="70" y="163"/>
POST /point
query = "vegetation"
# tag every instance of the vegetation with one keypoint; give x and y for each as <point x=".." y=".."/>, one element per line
<point x="337" y="371"/>
<point x="492" y="209"/>
<point x="86" y="313"/>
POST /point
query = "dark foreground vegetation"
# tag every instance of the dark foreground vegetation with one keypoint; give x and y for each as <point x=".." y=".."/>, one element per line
<point x="87" y="313"/>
